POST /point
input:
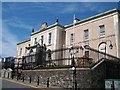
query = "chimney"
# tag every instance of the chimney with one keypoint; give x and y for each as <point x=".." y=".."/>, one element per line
<point x="57" y="20"/>
<point x="75" y="20"/>
<point x="44" y="25"/>
<point x="33" y="30"/>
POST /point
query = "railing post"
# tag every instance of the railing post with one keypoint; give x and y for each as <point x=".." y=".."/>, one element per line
<point x="38" y="80"/>
<point x="23" y="78"/>
<point x="8" y="75"/>
<point x="47" y="82"/>
<point x="29" y="79"/>
<point x="112" y="86"/>
<point x="17" y="77"/>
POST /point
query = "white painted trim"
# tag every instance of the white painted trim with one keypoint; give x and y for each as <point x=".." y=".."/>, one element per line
<point x="91" y="21"/>
<point x="116" y="33"/>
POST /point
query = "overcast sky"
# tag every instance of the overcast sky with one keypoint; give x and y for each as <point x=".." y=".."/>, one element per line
<point x="18" y="18"/>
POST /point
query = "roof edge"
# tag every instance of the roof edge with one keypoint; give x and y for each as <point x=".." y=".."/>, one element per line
<point x="23" y="42"/>
<point x="94" y="17"/>
<point x="51" y="26"/>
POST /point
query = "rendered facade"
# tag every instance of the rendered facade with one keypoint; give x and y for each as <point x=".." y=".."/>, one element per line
<point x="101" y="32"/>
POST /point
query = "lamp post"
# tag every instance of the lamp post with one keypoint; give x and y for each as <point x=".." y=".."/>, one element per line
<point x="74" y="78"/>
<point x="39" y="44"/>
<point x="103" y="48"/>
<point x="73" y="51"/>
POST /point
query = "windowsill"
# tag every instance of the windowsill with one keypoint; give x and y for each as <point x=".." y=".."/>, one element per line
<point x="49" y="45"/>
<point x="72" y="44"/>
<point x="86" y="40"/>
<point x="102" y="36"/>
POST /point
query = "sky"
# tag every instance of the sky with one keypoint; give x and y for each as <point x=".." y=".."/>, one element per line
<point x="18" y="18"/>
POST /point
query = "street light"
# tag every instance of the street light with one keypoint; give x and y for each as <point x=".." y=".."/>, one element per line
<point x="74" y="78"/>
<point x="41" y="52"/>
<point x="105" y="44"/>
<point x="37" y="42"/>
<point x="73" y="51"/>
<point x="110" y="46"/>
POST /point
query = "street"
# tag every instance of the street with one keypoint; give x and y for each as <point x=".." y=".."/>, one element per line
<point x="8" y="85"/>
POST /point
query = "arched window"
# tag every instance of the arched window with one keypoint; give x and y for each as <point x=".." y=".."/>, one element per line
<point x="102" y="47"/>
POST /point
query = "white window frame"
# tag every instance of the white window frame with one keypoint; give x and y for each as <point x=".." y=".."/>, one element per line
<point x="42" y="39"/>
<point x="49" y="38"/>
<point x="72" y="38"/>
<point x="86" y="34"/>
<point x="102" y="30"/>
<point x="20" y="51"/>
<point x="35" y="40"/>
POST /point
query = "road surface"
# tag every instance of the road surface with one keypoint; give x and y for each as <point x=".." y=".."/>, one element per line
<point x="8" y="85"/>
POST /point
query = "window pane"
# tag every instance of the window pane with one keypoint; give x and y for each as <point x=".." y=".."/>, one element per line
<point x="35" y="41"/>
<point x="42" y="39"/>
<point x="102" y="30"/>
<point x="71" y="38"/>
<point x="20" y="51"/>
<point x="86" y="36"/>
<point x="50" y="35"/>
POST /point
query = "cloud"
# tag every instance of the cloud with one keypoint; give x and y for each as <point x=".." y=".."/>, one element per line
<point x="93" y="7"/>
<point x="82" y="7"/>
<point x="42" y="7"/>
<point x="17" y="22"/>
<point x="70" y="8"/>
<point x="9" y="42"/>
<point x="52" y="7"/>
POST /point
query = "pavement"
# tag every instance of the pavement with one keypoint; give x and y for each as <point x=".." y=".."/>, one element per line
<point x="13" y="83"/>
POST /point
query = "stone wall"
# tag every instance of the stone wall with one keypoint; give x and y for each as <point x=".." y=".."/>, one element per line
<point x="86" y="77"/>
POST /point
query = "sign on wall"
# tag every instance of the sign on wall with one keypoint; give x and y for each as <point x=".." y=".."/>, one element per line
<point x="112" y="84"/>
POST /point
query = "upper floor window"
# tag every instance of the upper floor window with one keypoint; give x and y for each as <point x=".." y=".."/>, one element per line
<point x="86" y="34"/>
<point x="50" y="36"/>
<point x="101" y="30"/>
<point x="20" y="51"/>
<point x="71" y="38"/>
<point x="42" y="40"/>
<point x="35" y="41"/>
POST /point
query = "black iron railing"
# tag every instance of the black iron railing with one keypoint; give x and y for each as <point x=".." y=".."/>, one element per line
<point x="84" y="57"/>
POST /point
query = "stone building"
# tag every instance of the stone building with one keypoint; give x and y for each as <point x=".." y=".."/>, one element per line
<point x="101" y="32"/>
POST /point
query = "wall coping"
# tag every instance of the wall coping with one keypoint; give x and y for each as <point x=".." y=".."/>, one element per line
<point x="57" y="69"/>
